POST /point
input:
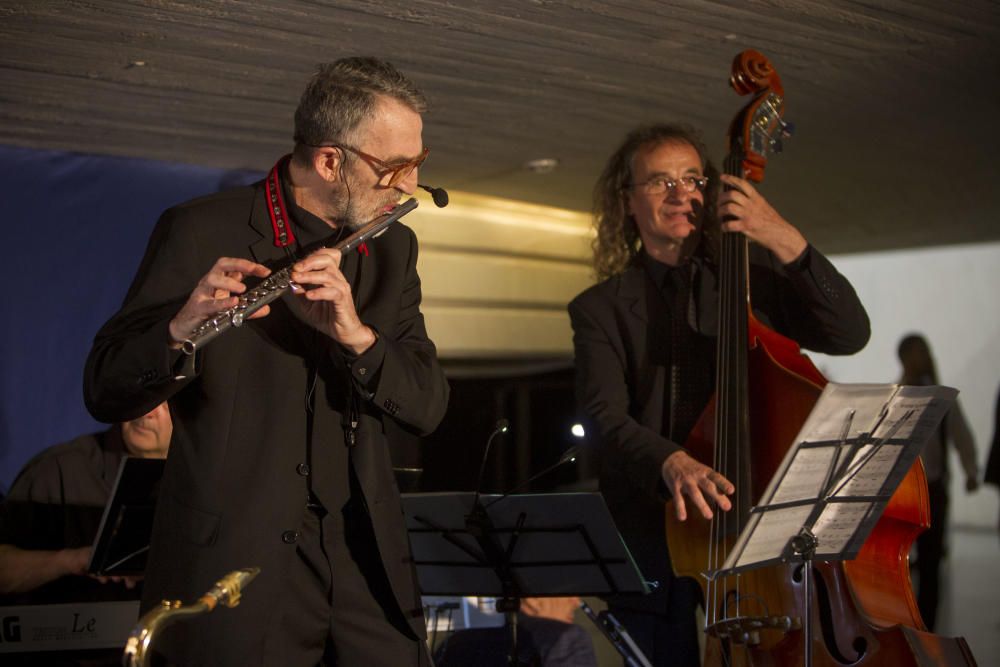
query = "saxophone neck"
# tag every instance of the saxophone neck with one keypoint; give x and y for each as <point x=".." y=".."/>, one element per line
<point x="229" y="589"/>
<point x="141" y="638"/>
<point x="226" y="590"/>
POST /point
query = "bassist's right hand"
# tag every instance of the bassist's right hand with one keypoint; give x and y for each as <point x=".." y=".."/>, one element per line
<point x="685" y="476"/>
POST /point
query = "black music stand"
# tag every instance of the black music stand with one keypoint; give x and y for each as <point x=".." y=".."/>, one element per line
<point x="532" y="545"/>
<point x="122" y="541"/>
<point x="855" y="448"/>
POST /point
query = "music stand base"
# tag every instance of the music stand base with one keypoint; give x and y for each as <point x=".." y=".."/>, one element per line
<point x="804" y="546"/>
<point x="509" y="607"/>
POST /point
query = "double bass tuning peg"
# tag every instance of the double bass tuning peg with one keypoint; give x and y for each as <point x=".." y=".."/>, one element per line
<point x="785" y="130"/>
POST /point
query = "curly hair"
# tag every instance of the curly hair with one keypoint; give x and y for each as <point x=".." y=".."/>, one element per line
<point x="617" y="242"/>
<point x="343" y="93"/>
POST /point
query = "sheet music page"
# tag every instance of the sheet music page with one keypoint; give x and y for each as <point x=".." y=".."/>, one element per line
<point x="930" y="403"/>
<point x="869" y="478"/>
<point x="770" y="536"/>
<point x="803" y="478"/>
<point x="881" y="428"/>
<point x="861" y="403"/>
<point x="906" y="422"/>
<point x="837" y="524"/>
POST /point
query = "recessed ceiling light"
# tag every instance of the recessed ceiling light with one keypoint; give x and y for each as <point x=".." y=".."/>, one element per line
<point x="542" y="165"/>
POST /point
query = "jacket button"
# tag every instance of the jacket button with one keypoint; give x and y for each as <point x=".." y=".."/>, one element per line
<point x="303" y="469"/>
<point x="362" y="370"/>
<point x="289" y="536"/>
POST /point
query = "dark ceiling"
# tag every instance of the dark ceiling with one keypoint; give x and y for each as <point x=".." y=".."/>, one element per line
<point x="894" y="101"/>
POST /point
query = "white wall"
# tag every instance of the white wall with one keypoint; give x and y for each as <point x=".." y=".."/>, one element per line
<point x="950" y="295"/>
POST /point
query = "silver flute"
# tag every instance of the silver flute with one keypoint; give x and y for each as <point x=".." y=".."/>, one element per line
<point x="279" y="282"/>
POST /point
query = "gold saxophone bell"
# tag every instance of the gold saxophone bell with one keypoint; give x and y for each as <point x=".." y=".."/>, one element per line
<point x="226" y="590"/>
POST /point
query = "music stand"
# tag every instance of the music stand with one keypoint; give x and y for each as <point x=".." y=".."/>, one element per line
<point x="122" y="541"/>
<point x="531" y="545"/>
<point x="855" y="448"/>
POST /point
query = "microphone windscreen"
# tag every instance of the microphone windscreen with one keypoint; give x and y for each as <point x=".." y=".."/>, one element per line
<point x="440" y="197"/>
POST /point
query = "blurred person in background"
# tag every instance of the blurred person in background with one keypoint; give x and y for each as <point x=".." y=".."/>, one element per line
<point x="919" y="369"/>
<point x="992" y="475"/>
<point x="547" y="636"/>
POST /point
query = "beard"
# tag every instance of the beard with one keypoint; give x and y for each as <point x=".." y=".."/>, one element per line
<point x="352" y="210"/>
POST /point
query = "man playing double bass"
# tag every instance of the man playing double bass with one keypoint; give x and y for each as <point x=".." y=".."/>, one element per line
<point x="645" y="340"/>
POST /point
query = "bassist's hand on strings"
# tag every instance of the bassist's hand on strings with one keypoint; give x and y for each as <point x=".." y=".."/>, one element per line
<point x="215" y="292"/>
<point x="745" y="210"/>
<point x="684" y="476"/>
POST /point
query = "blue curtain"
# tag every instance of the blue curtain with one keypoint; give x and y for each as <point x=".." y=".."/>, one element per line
<point x="75" y="228"/>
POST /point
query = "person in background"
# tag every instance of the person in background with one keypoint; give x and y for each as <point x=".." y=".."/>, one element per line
<point x="919" y="369"/>
<point x="992" y="474"/>
<point x="50" y="518"/>
<point x="548" y="636"/>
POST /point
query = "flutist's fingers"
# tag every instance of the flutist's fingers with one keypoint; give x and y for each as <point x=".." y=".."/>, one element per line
<point x="215" y="293"/>
<point x="320" y="275"/>
<point x="323" y="262"/>
<point x="332" y="305"/>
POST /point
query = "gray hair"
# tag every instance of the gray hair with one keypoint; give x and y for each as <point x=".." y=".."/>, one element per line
<point x="343" y="93"/>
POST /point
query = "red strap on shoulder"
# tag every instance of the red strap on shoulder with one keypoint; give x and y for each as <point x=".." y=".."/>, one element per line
<point x="283" y="234"/>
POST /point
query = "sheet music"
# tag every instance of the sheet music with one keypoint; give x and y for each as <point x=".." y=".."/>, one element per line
<point x="857" y="444"/>
<point x="837" y="524"/>
<point x="825" y="423"/>
<point x="929" y="404"/>
<point x="871" y="477"/>
<point x="805" y="475"/>
<point x="769" y="536"/>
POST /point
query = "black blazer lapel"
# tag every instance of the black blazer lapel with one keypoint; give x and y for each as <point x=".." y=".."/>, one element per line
<point x="648" y="325"/>
<point x="262" y="249"/>
<point x="632" y="293"/>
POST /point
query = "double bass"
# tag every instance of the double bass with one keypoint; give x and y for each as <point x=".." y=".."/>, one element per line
<point x="864" y="611"/>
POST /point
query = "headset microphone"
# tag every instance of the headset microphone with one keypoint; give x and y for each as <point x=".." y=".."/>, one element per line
<point x="439" y="195"/>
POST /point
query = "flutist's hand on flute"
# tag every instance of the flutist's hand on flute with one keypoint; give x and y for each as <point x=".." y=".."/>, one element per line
<point x="324" y="301"/>
<point x="215" y="292"/>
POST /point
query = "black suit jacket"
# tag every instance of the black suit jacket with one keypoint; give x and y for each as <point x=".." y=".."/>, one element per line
<point x="234" y="487"/>
<point x="621" y="337"/>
